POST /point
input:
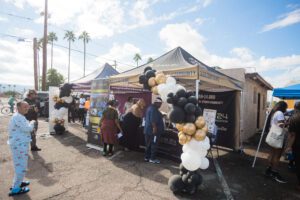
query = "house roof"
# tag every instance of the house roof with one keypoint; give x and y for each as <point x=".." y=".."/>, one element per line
<point x="260" y="80"/>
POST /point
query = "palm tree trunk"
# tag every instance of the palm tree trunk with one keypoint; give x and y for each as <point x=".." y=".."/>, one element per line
<point x="84" y="44"/>
<point x="69" y="61"/>
<point x="51" y="54"/>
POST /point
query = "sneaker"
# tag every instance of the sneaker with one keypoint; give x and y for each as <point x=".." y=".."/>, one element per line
<point x="155" y="161"/>
<point x="35" y="149"/>
<point x="269" y="172"/>
<point x="278" y="178"/>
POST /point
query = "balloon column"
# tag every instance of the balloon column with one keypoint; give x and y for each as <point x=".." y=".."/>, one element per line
<point x="186" y="114"/>
<point x="61" y="108"/>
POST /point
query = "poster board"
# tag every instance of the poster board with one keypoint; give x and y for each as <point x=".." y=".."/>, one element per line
<point x="99" y="98"/>
<point x="210" y="119"/>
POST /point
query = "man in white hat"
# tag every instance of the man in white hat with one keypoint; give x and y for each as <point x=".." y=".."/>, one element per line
<point x="154" y="126"/>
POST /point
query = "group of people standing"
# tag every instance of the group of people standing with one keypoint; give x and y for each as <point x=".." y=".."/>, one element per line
<point x="132" y="119"/>
<point x="292" y="139"/>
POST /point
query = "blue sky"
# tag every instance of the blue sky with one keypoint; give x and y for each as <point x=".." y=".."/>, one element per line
<point x="259" y="35"/>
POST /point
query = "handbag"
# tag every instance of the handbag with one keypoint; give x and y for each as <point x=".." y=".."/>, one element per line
<point x="275" y="137"/>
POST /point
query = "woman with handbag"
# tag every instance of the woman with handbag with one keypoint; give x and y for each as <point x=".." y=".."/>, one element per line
<point x="275" y="139"/>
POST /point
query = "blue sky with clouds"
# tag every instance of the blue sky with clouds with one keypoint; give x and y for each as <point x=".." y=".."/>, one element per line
<point x="257" y="35"/>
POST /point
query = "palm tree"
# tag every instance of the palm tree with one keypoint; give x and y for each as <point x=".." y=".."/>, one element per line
<point x="14" y="88"/>
<point x="9" y="87"/>
<point x="136" y="58"/>
<point x="150" y="60"/>
<point x="39" y="47"/>
<point x="51" y="38"/>
<point x="70" y="36"/>
<point x="86" y="38"/>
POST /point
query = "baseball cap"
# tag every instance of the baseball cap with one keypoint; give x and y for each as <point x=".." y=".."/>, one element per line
<point x="158" y="100"/>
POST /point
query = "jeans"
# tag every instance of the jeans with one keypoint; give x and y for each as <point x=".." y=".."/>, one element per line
<point x="33" y="136"/>
<point x="151" y="147"/>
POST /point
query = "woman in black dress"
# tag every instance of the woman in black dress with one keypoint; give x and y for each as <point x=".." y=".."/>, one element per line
<point x="131" y="123"/>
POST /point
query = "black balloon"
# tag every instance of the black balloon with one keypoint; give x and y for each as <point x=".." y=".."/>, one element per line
<point x="198" y="111"/>
<point x="185" y="178"/>
<point x="190" y="108"/>
<point x="190" y="118"/>
<point x="147" y="68"/>
<point x="195" y="179"/>
<point x="190" y="93"/>
<point x="149" y="74"/>
<point x="59" y="129"/>
<point x="169" y="100"/>
<point x="193" y="100"/>
<point x="177" y="115"/>
<point x="190" y="189"/>
<point x="146" y="86"/>
<point x="65" y="90"/>
<point x="171" y="94"/>
<point x="182" y="168"/>
<point x="182" y="101"/>
<point x="176" y="184"/>
<point x="142" y="79"/>
<point x="175" y="99"/>
<point x="181" y="93"/>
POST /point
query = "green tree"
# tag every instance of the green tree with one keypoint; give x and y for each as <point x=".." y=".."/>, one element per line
<point x="86" y="38"/>
<point x="51" y="38"/>
<point x="54" y="78"/>
<point x="70" y="36"/>
<point x="150" y="60"/>
<point x="136" y="58"/>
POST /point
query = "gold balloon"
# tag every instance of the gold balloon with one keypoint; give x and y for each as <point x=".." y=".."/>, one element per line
<point x="180" y="133"/>
<point x="200" y="122"/>
<point x="151" y="82"/>
<point x="179" y="127"/>
<point x="200" y="135"/>
<point x="182" y="139"/>
<point x="160" y="78"/>
<point x="189" y="128"/>
<point x="205" y="129"/>
<point x="188" y="138"/>
<point x="154" y="90"/>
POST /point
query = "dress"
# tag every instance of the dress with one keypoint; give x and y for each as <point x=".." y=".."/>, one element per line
<point x="130" y="127"/>
<point x="109" y="128"/>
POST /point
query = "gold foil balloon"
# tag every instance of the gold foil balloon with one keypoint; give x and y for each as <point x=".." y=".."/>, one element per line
<point x="189" y="128"/>
<point x="200" y="122"/>
<point x="180" y="133"/>
<point x="152" y="82"/>
<point x="182" y="139"/>
<point x="160" y="78"/>
<point x="188" y="138"/>
<point x="200" y="135"/>
<point x="205" y="129"/>
<point x="154" y="90"/>
<point x="179" y="127"/>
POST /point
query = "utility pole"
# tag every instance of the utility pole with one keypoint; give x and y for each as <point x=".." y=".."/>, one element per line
<point x="115" y="64"/>
<point x="45" y="47"/>
<point x="35" y="64"/>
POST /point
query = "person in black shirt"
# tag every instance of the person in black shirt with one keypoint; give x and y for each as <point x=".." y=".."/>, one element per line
<point x="294" y="139"/>
<point x="33" y="115"/>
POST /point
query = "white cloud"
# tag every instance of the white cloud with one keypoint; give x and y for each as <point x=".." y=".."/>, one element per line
<point x="26" y="33"/>
<point x="199" y="21"/>
<point x="3" y="19"/>
<point x="206" y="3"/>
<point x="285" y="20"/>
<point x="184" y="35"/>
<point x="123" y="53"/>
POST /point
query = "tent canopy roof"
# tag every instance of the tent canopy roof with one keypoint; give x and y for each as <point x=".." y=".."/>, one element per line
<point x="104" y="71"/>
<point x="180" y="60"/>
<point x="290" y="92"/>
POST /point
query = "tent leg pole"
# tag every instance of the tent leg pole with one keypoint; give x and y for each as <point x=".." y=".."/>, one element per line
<point x="261" y="137"/>
<point x="197" y="89"/>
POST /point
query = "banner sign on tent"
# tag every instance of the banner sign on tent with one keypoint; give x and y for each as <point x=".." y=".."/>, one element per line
<point x="99" y="98"/>
<point x="224" y="104"/>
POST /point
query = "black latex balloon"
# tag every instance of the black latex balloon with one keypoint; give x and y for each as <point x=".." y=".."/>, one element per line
<point x="198" y="111"/>
<point x="149" y="74"/>
<point x="190" y="118"/>
<point x="59" y="129"/>
<point x="190" y="93"/>
<point x="190" y="108"/>
<point x="142" y="79"/>
<point x="146" y="86"/>
<point x="182" y="168"/>
<point x="169" y="100"/>
<point x="177" y="115"/>
<point x="182" y="101"/>
<point x="175" y="183"/>
<point x="185" y="178"/>
<point x="181" y="93"/>
<point x="147" y="68"/>
<point x="65" y="90"/>
<point x="190" y="189"/>
<point x="58" y="105"/>
<point x="171" y="94"/>
<point x="175" y="99"/>
<point x="193" y="100"/>
<point x="195" y="179"/>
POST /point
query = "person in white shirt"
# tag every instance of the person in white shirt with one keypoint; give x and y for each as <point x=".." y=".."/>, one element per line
<point x="81" y="110"/>
<point x="128" y="104"/>
<point x="276" y="118"/>
<point x="19" y="139"/>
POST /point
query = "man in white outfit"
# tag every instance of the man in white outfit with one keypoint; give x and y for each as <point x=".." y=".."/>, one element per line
<point x="19" y="140"/>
